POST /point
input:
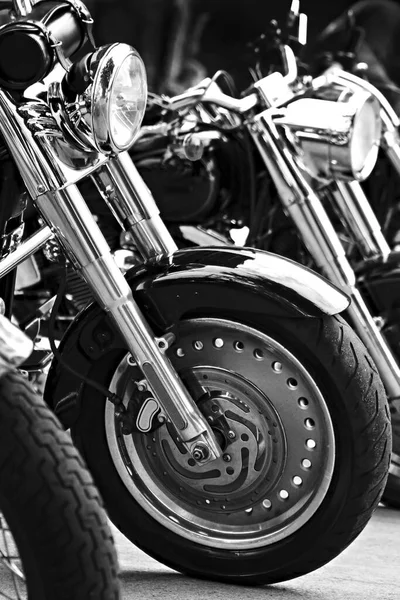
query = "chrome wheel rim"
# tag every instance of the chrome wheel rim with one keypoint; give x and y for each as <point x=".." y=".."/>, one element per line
<point x="277" y="466"/>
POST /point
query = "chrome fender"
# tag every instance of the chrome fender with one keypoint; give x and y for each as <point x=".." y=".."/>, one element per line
<point x="226" y="282"/>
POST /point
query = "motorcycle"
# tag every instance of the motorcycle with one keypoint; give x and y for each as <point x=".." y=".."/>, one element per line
<point x="55" y="540"/>
<point x="213" y="170"/>
<point x="353" y="45"/>
<point x="226" y="410"/>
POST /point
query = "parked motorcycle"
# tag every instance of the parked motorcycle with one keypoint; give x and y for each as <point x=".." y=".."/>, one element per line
<point x="363" y="42"/>
<point x="215" y="167"/>
<point x="227" y="412"/>
<point x="55" y="540"/>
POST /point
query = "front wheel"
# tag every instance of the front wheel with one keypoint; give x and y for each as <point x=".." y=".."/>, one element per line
<point x="300" y="413"/>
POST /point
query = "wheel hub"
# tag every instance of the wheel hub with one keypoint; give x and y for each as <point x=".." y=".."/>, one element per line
<point x="252" y="459"/>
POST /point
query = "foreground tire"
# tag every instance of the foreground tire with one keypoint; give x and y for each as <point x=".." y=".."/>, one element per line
<point x="61" y="545"/>
<point x="300" y="412"/>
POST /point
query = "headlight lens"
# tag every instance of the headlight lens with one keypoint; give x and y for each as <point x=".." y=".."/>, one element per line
<point x="118" y="97"/>
<point x="127" y="99"/>
<point x="366" y="133"/>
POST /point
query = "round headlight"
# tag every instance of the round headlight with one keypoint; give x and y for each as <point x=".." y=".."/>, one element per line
<point x="340" y="137"/>
<point x="118" y="96"/>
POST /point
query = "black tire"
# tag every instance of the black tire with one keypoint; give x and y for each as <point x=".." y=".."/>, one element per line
<point x="352" y="391"/>
<point x="382" y="291"/>
<point x="391" y="495"/>
<point x="50" y="503"/>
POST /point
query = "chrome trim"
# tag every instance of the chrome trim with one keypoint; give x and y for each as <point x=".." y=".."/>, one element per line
<point x="10" y="241"/>
<point x="326" y="130"/>
<point x="210" y="92"/>
<point x="45" y="160"/>
<point x="25" y="249"/>
<point x="274" y="89"/>
<point x="390" y="140"/>
<point x="290" y="64"/>
<point x="86" y="246"/>
<point x="15" y="346"/>
<point x="316" y="230"/>
<point x="353" y="207"/>
<point x="87" y="116"/>
<point x="133" y="205"/>
<point x="394" y="468"/>
<point x="23" y="7"/>
<point x="300" y="200"/>
<point x="203" y="237"/>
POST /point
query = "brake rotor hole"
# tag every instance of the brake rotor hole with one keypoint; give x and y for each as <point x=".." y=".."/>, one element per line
<point x="306" y="463"/>
<point x="267" y="504"/>
<point x="311" y="444"/>
<point x="218" y="342"/>
<point x="297" y="480"/>
<point x="277" y="367"/>
<point x="180" y="353"/>
<point x="309" y="423"/>
<point x="303" y="402"/>
<point x="198" y="345"/>
<point x="248" y="511"/>
<point x="284" y="494"/>
<point x="258" y="354"/>
<point x="292" y="383"/>
<point x="238" y="346"/>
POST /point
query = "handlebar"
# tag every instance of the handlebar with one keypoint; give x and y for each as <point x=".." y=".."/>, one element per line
<point x="207" y="91"/>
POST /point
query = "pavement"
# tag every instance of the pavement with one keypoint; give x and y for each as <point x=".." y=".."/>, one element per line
<point x="368" y="570"/>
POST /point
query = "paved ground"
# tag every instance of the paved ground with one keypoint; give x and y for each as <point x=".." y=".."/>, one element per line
<point x="368" y="569"/>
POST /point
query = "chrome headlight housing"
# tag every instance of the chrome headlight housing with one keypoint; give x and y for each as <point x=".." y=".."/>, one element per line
<point x="118" y="97"/>
<point x="102" y="100"/>
<point x="338" y="139"/>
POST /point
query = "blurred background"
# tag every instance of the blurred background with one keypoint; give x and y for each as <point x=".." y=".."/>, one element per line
<point x="181" y="41"/>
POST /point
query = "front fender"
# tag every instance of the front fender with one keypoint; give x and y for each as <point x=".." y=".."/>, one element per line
<point x="237" y="284"/>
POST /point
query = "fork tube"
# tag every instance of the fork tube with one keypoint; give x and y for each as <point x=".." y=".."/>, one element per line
<point x="87" y="248"/>
<point x="353" y="207"/>
<point x="132" y="203"/>
<point x="318" y="234"/>
<point x="391" y="145"/>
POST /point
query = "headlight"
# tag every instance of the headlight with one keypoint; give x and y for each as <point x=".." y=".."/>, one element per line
<point x="338" y="139"/>
<point x="118" y="97"/>
<point x="101" y="102"/>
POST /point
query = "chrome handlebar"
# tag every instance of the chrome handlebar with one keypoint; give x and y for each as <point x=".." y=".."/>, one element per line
<point x="207" y="91"/>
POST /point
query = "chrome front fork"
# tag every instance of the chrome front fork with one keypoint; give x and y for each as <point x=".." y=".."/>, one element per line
<point x="355" y="210"/>
<point x="133" y="205"/>
<point x="316" y="231"/>
<point x="87" y="248"/>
